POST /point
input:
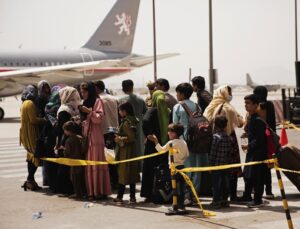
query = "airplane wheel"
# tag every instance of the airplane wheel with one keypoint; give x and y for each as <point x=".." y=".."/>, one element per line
<point x="1" y="113"/>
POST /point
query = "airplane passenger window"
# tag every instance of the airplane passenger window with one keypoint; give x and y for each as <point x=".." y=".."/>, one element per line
<point x="52" y="63"/>
<point x="11" y="64"/>
<point x="46" y="64"/>
<point x="17" y="64"/>
<point x="5" y="64"/>
<point x="41" y="63"/>
<point x="29" y="64"/>
<point x="35" y="64"/>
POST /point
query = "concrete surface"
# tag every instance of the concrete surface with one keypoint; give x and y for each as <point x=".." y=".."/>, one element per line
<point x="17" y="206"/>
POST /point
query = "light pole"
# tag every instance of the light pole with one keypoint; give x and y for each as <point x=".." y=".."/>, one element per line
<point x="154" y="41"/>
<point x="296" y="31"/>
<point x="297" y="63"/>
<point x="212" y="71"/>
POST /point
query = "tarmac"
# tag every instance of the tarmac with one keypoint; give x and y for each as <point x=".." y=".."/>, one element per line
<point x="17" y="207"/>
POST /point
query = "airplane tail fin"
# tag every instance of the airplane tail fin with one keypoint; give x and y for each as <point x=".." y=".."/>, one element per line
<point x="116" y="32"/>
<point x="249" y="80"/>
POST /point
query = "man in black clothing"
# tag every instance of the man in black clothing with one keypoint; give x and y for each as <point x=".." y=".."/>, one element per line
<point x="267" y="112"/>
<point x="257" y="151"/>
<point x="204" y="97"/>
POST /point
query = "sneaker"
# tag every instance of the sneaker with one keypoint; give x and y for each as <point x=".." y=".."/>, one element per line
<point x="244" y="199"/>
<point x="215" y="205"/>
<point x="252" y="204"/>
<point x="225" y="204"/>
<point x="132" y="201"/>
<point x="182" y="211"/>
<point x="270" y="196"/>
<point x="187" y="202"/>
<point x="118" y="200"/>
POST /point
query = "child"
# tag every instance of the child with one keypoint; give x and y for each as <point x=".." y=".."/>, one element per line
<point x="221" y="153"/>
<point x="182" y="152"/>
<point x="73" y="150"/>
<point x="128" y="173"/>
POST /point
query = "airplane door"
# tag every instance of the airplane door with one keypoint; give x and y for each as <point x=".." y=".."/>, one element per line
<point x="87" y="57"/>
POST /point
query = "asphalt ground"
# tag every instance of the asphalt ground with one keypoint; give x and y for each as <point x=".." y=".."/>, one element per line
<point x="17" y="207"/>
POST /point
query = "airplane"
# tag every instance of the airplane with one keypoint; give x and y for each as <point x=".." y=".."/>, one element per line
<point x="270" y="87"/>
<point x="106" y="53"/>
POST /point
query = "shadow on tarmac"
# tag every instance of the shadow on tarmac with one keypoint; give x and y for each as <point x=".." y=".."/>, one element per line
<point x="11" y="120"/>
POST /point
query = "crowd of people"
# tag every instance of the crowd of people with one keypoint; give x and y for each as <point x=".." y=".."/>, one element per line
<point x="80" y="122"/>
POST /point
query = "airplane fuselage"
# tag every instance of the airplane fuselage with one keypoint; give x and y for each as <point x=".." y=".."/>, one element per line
<point x="20" y="59"/>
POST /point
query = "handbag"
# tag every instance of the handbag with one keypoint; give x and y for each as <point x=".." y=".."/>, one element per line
<point x="110" y="154"/>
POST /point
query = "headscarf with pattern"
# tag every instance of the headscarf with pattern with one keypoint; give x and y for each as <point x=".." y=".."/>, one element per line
<point x="70" y="100"/>
<point x="220" y="104"/>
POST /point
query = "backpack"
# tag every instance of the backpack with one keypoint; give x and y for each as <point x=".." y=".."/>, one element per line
<point x="199" y="131"/>
<point x="273" y="141"/>
<point x="162" y="186"/>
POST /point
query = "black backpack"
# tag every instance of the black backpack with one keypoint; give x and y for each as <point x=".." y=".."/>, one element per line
<point x="162" y="186"/>
<point x="199" y="131"/>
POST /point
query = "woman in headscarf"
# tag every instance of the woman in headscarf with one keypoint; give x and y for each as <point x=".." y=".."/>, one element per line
<point x="70" y="100"/>
<point x="97" y="177"/>
<point x="29" y="133"/>
<point x="220" y="105"/>
<point x="49" y="137"/>
<point x="44" y="93"/>
<point x="155" y="121"/>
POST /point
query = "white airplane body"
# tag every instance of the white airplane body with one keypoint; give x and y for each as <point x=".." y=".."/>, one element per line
<point x="106" y="53"/>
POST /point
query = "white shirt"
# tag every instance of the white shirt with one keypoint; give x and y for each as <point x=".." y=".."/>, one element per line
<point x="180" y="146"/>
<point x="110" y="119"/>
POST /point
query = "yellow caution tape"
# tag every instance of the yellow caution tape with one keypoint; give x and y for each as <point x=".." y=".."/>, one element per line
<point x="287" y="170"/>
<point x="76" y="162"/>
<point x="190" y="183"/>
<point x="291" y="125"/>
<point x="220" y="167"/>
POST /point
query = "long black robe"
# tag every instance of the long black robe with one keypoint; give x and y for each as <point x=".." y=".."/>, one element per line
<point x="151" y="126"/>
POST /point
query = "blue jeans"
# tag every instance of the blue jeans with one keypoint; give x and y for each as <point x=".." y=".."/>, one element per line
<point x="195" y="160"/>
<point x="220" y="185"/>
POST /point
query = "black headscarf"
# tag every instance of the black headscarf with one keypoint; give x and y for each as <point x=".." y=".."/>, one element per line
<point x="29" y="93"/>
<point x="92" y="96"/>
<point x="90" y="101"/>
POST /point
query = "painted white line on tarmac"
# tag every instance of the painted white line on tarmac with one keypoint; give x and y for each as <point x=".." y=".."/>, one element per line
<point x="13" y="170"/>
<point x="19" y="164"/>
<point x="18" y="148"/>
<point x="9" y="146"/>
<point x="12" y="160"/>
<point x="14" y="175"/>
<point x="12" y="151"/>
<point x="10" y="155"/>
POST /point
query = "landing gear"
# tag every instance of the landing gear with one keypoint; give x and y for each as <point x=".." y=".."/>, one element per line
<point x="1" y="113"/>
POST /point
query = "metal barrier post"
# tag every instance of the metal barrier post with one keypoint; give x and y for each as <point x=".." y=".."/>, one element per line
<point x="284" y="200"/>
<point x="174" y="209"/>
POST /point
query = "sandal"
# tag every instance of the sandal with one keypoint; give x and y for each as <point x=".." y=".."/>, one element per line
<point x="24" y="186"/>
